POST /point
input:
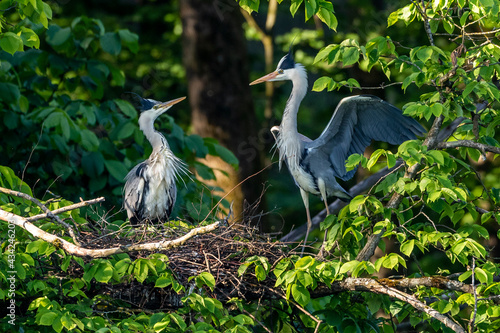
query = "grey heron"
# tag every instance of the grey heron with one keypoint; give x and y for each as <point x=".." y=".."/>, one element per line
<point x="356" y="121"/>
<point x="150" y="190"/>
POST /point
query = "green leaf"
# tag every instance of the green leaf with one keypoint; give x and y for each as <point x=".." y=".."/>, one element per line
<point x="129" y="39"/>
<point x="67" y="322"/>
<point x="163" y="281"/>
<point x="424" y="53"/>
<point x="110" y="42"/>
<point x="207" y="279"/>
<point x="10" y="93"/>
<point x="226" y="155"/>
<point x="304" y="278"/>
<point x="437" y="155"/>
<point x="116" y="169"/>
<point x="11" y="43"/>
<point x="448" y="26"/>
<point x="353" y="161"/>
<point x="323" y="83"/>
<point x="48" y="318"/>
<point x="125" y="130"/>
<point x="374" y="158"/>
<point x="311" y="8"/>
<point x="126" y="108"/>
<point x="348" y="266"/>
<point x="250" y="5"/>
<point x="300" y="294"/>
<point x="328" y="18"/>
<point x="481" y="275"/>
<point x="391" y="261"/>
<point x="30" y="38"/>
<point x="104" y="272"/>
<point x="260" y="272"/>
<point x="350" y="56"/>
<point x="469" y="88"/>
<point x="407" y="247"/>
<point x="204" y="171"/>
<point x="56" y="36"/>
<point x="89" y="140"/>
<point x="295" y="6"/>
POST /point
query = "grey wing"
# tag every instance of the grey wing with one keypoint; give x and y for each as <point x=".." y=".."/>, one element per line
<point x="135" y="190"/>
<point x="355" y="123"/>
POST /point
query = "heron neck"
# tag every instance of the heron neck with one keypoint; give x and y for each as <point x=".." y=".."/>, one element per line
<point x="289" y="142"/>
<point x="299" y="90"/>
<point x="155" y="138"/>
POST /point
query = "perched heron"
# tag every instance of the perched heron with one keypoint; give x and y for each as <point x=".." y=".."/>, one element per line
<point x="357" y="120"/>
<point x="150" y="190"/>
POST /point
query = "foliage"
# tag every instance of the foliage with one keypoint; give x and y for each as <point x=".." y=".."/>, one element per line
<point x="444" y="224"/>
<point x="55" y="99"/>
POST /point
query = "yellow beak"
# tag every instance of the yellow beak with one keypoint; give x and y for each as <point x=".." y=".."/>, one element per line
<point x="169" y="103"/>
<point x="265" y="78"/>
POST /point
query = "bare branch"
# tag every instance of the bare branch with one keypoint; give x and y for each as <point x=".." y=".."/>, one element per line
<point x="66" y="209"/>
<point x="427" y="26"/>
<point x="73" y="249"/>
<point x="383" y="287"/>
<point x="48" y="213"/>
<point x="473" y="317"/>
<point x="469" y="144"/>
<point x="440" y="282"/>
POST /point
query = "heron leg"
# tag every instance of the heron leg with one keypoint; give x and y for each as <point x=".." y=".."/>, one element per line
<point x="305" y="198"/>
<point x="322" y="190"/>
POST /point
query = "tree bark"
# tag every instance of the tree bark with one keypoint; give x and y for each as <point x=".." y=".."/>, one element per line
<point x="215" y="58"/>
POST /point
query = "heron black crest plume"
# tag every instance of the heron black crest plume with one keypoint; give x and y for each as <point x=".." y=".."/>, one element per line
<point x="139" y="103"/>
<point x="287" y="61"/>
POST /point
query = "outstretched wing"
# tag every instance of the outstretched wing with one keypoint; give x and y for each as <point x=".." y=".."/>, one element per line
<point x="135" y="191"/>
<point x="355" y="123"/>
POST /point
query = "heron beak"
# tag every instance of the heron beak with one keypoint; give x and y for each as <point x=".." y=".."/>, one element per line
<point x="265" y="78"/>
<point x="169" y="103"/>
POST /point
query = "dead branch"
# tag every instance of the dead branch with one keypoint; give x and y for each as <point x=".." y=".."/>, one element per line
<point x="66" y="209"/>
<point x="73" y="249"/>
<point x="469" y="144"/>
<point x="48" y="213"/>
<point x="374" y="286"/>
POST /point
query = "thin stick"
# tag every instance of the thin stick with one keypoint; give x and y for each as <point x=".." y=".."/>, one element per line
<point x="48" y="213"/>
<point x="229" y="192"/>
<point x="473" y="318"/>
<point x="66" y="208"/>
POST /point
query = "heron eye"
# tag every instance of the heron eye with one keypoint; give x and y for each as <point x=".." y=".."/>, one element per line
<point x="280" y="71"/>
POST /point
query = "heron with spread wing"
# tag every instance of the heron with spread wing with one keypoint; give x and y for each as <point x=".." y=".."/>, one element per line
<point x="356" y="121"/>
<point x="150" y="191"/>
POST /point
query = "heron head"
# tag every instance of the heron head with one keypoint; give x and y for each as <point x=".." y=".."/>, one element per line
<point x="145" y="104"/>
<point x="284" y="71"/>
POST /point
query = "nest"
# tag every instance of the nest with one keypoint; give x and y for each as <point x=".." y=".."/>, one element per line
<point x="220" y="253"/>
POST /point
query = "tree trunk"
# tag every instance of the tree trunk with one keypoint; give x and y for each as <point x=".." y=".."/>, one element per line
<point x="215" y="58"/>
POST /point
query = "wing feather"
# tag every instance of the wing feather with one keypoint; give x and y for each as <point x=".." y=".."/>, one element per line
<point x="135" y="188"/>
<point x="355" y="123"/>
